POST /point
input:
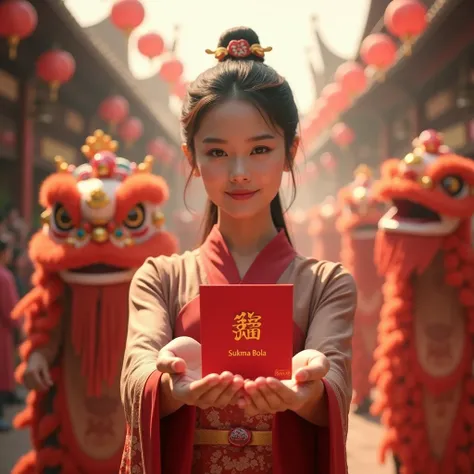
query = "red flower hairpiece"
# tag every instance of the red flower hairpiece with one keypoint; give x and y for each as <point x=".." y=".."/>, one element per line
<point x="239" y="49"/>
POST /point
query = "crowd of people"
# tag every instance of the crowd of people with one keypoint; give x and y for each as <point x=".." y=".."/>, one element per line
<point x="15" y="275"/>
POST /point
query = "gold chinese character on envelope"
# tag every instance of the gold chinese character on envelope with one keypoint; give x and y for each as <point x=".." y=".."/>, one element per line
<point x="247" y="326"/>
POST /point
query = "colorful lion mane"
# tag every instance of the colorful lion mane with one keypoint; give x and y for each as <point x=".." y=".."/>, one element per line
<point x="360" y="212"/>
<point x="101" y="221"/>
<point x="425" y="399"/>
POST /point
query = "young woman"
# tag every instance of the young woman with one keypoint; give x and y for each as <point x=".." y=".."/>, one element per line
<point x="239" y="125"/>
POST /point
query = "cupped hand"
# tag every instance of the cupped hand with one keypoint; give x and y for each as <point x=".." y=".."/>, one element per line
<point x="181" y="358"/>
<point x="270" y="395"/>
<point x="37" y="375"/>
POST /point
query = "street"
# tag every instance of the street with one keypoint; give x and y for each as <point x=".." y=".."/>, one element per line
<point x="363" y="438"/>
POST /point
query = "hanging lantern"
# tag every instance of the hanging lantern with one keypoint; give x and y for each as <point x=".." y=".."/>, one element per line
<point x="378" y="51"/>
<point x="56" y="67"/>
<point x="336" y="97"/>
<point x="406" y="19"/>
<point x="351" y="76"/>
<point x="171" y="70"/>
<point x="126" y="15"/>
<point x="18" y="20"/>
<point x="342" y="135"/>
<point x="328" y="162"/>
<point x="151" y="45"/>
<point x="180" y="89"/>
<point x="113" y="110"/>
<point x="131" y="130"/>
<point x="159" y="148"/>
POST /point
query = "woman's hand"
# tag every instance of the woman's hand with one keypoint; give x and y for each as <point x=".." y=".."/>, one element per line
<point x="181" y="358"/>
<point x="269" y="395"/>
<point x="37" y="376"/>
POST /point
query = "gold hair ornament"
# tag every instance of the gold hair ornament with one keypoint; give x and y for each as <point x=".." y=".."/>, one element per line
<point x="239" y="49"/>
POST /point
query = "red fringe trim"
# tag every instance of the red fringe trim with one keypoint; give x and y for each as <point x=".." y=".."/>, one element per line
<point x="41" y="311"/>
<point x="400" y="400"/>
<point x="26" y="464"/>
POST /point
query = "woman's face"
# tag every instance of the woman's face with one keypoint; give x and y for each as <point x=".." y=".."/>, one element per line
<point x="240" y="157"/>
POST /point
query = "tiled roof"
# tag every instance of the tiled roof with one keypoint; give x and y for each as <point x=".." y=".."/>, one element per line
<point x="140" y="90"/>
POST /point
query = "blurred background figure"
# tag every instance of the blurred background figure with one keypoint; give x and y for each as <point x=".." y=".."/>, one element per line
<point x="8" y="299"/>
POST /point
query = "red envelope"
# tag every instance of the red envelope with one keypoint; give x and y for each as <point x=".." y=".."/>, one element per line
<point x="247" y="330"/>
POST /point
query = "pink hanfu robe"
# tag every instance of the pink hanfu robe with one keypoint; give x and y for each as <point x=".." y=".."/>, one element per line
<point x="164" y="303"/>
<point x="8" y="299"/>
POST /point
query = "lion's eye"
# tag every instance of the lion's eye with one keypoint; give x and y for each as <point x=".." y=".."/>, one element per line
<point x="136" y="217"/>
<point x="62" y="219"/>
<point x="453" y="185"/>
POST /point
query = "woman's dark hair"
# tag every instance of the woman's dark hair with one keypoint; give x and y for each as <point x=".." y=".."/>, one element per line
<point x="250" y="80"/>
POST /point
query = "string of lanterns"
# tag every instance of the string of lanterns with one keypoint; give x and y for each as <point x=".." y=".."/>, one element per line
<point x="405" y="21"/>
<point x="18" y="21"/>
<point x="56" y="67"/>
<point x="127" y="15"/>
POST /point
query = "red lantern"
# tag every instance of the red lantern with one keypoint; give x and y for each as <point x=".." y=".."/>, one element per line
<point x="56" y="67"/>
<point x="160" y="150"/>
<point x="180" y="89"/>
<point x="379" y="51"/>
<point x="131" y="130"/>
<point x="342" y="135"/>
<point x="406" y="19"/>
<point x="18" y="20"/>
<point x="113" y="110"/>
<point x="126" y="15"/>
<point x="351" y="76"/>
<point x="328" y="161"/>
<point x="336" y="97"/>
<point x="151" y="45"/>
<point x="171" y="70"/>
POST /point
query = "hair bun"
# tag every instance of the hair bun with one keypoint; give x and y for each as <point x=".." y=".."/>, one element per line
<point x="239" y="44"/>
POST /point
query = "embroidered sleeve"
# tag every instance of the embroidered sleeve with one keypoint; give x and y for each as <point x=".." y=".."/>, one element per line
<point x="148" y="331"/>
<point x="330" y="332"/>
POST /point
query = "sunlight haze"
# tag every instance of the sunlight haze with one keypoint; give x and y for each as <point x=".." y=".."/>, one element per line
<point x="285" y="26"/>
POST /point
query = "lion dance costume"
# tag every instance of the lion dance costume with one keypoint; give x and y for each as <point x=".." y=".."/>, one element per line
<point x="357" y="223"/>
<point x="102" y="220"/>
<point x="322" y="229"/>
<point x="424" y="370"/>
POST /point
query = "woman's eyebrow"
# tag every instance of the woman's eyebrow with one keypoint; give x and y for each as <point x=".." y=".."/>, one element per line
<point x="257" y="138"/>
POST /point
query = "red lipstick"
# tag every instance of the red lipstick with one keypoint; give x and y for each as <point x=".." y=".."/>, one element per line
<point x="242" y="194"/>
